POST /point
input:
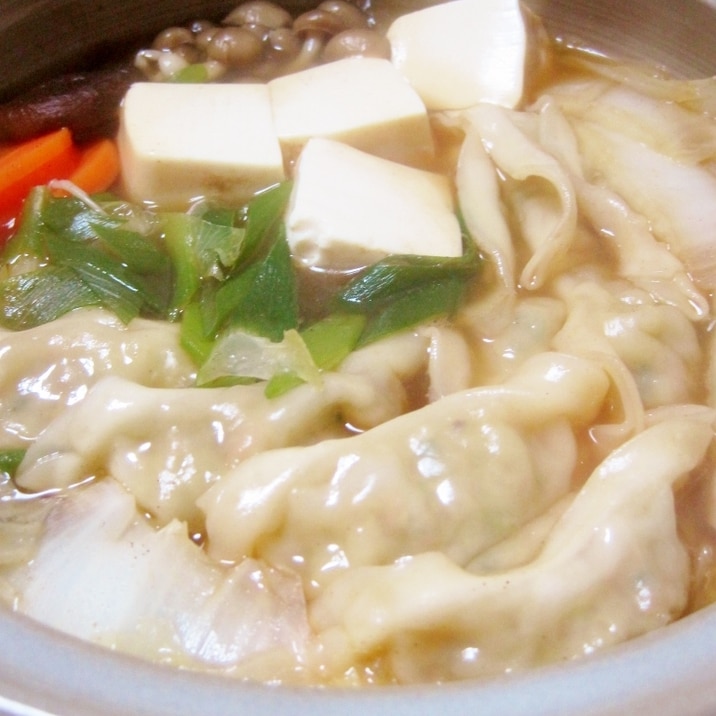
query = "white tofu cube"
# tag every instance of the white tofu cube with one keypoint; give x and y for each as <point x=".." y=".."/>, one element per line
<point x="179" y="142"/>
<point x="360" y="101"/>
<point x="349" y="208"/>
<point x="462" y="52"/>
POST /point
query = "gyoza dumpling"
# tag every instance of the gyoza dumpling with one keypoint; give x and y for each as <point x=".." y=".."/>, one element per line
<point x="612" y="568"/>
<point x="456" y="476"/>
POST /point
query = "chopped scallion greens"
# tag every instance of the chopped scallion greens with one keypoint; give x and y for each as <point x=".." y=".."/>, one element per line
<point x="193" y="339"/>
<point x="36" y="297"/>
<point x="200" y="249"/>
<point x="192" y="74"/>
<point x="263" y="298"/>
<point x="333" y="338"/>
<point x="119" y="288"/>
<point x="225" y="273"/>
<point x="404" y="290"/>
<point x="86" y="257"/>
<point x="281" y="383"/>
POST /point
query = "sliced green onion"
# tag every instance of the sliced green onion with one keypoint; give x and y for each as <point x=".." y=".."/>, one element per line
<point x="414" y="306"/>
<point x="386" y="279"/>
<point x="187" y="280"/>
<point x="31" y="299"/>
<point x="263" y="299"/>
<point x="281" y="383"/>
<point x="227" y="273"/>
<point x="28" y="239"/>
<point x="213" y="247"/>
<point x="260" y="296"/>
<point x="103" y="261"/>
<point x="333" y="338"/>
<point x="191" y="74"/>
<point x="139" y="253"/>
<point x="118" y="289"/>
<point x="192" y="337"/>
<point x="403" y="290"/>
<point x="263" y="218"/>
<point x="222" y="216"/>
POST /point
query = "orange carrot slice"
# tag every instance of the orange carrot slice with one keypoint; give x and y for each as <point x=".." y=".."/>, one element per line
<point x="98" y="167"/>
<point x="37" y="161"/>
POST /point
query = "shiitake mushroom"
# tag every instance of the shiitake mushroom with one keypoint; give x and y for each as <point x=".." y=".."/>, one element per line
<point x="85" y="102"/>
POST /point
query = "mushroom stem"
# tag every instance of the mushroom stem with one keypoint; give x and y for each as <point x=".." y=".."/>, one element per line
<point x="310" y="54"/>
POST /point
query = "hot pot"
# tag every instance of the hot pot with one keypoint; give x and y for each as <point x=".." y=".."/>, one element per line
<point x="667" y="672"/>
